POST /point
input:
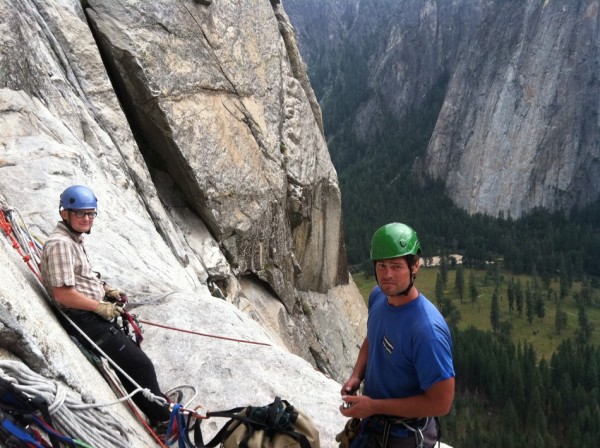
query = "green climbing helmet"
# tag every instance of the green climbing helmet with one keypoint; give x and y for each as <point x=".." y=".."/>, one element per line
<point x="394" y="240"/>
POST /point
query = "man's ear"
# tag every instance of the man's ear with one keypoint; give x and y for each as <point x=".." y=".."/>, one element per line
<point x="417" y="264"/>
<point x="64" y="214"/>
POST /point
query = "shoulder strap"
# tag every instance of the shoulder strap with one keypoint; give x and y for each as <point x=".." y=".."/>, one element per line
<point x="236" y="419"/>
<point x="223" y="432"/>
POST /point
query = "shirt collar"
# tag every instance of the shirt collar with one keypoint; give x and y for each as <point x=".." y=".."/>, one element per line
<point x="77" y="237"/>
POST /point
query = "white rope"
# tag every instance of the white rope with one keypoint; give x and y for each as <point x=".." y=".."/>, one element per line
<point x="29" y="245"/>
<point x="146" y="392"/>
<point x="97" y="428"/>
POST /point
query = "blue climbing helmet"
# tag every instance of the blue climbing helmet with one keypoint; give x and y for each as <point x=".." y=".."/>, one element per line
<point x="78" y="197"/>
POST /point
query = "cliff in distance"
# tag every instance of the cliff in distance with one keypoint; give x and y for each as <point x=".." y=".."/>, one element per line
<point x="519" y="125"/>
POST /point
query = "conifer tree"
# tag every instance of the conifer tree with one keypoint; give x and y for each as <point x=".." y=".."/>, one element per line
<point x="459" y="282"/>
<point x="584" y="332"/>
<point x="495" y="312"/>
<point x="529" y="308"/>
<point x="563" y="279"/>
<point x="586" y="291"/>
<point x="540" y="308"/>
<point x="516" y="384"/>
<point x="473" y="293"/>
<point x="519" y="297"/>
<point x="444" y="268"/>
<point x="439" y="287"/>
<point x="560" y="320"/>
<point x="510" y="293"/>
<point x="497" y="275"/>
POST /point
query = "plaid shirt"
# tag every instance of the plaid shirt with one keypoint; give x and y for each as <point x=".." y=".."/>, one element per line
<point x="65" y="263"/>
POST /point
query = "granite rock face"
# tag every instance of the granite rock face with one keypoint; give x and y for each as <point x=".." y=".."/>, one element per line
<point x="520" y="130"/>
<point x="519" y="124"/>
<point x="212" y="95"/>
<point x="219" y="209"/>
<point x="401" y="49"/>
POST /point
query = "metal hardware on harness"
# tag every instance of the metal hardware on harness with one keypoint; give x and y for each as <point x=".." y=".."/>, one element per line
<point x="419" y="438"/>
<point x="417" y="430"/>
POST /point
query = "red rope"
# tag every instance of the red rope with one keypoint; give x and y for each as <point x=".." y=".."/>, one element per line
<point x="4" y="223"/>
<point x="8" y="231"/>
<point x="203" y="334"/>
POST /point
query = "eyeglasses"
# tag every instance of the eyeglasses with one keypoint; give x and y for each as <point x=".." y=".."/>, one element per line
<point x="81" y="214"/>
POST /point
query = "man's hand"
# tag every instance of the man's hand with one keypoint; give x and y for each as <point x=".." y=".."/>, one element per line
<point x="114" y="295"/>
<point x="108" y="310"/>
<point x="357" y="406"/>
<point x="351" y="386"/>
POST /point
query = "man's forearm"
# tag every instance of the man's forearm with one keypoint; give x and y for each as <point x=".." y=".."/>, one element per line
<point x="361" y="361"/>
<point x="69" y="297"/>
<point x="432" y="403"/>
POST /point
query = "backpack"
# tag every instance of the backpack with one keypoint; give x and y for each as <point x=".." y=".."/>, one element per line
<point x="18" y="412"/>
<point x="277" y="425"/>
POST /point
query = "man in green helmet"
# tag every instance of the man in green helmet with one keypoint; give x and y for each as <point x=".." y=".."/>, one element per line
<point x="406" y="359"/>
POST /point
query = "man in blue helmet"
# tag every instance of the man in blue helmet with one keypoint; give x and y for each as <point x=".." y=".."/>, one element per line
<point x="80" y="293"/>
<point x="406" y="359"/>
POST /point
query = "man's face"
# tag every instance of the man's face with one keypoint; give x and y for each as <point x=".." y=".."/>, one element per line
<point x="80" y="220"/>
<point x="393" y="275"/>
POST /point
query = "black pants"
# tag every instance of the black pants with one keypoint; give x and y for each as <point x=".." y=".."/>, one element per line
<point x="127" y="355"/>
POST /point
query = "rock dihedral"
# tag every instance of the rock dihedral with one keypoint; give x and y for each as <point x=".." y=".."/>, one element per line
<point x="519" y="126"/>
<point x="212" y="96"/>
<point x="215" y="178"/>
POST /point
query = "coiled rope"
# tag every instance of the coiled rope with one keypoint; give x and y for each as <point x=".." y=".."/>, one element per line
<point x="68" y="413"/>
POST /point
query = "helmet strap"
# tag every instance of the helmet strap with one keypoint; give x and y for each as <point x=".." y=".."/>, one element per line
<point x="409" y="287"/>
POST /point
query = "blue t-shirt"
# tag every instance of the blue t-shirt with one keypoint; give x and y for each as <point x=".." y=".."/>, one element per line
<point x="410" y="347"/>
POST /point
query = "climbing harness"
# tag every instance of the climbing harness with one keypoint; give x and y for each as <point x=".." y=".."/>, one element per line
<point x="415" y="428"/>
<point x="414" y="425"/>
